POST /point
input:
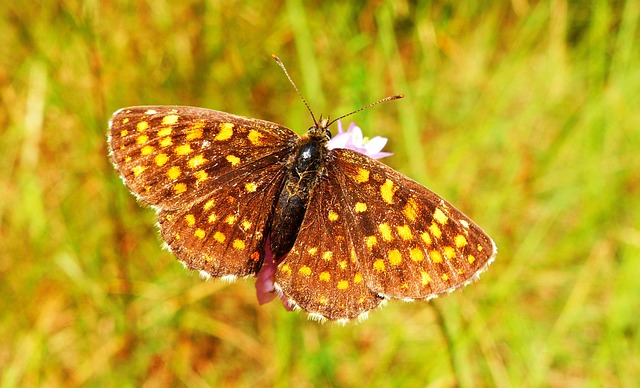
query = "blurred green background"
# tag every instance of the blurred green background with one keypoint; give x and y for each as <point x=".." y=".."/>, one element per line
<point x="524" y="114"/>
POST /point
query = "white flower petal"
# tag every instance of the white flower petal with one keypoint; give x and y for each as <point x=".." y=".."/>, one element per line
<point x="339" y="141"/>
<point x="356" y="136"/>
<point x="376" y="144"/>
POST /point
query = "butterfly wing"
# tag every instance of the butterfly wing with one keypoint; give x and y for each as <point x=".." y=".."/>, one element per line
<point x="211" y="176"/>
<point x="371" y="233"/>
<point x="409" y="242"/>
<point x="321" y="273"/>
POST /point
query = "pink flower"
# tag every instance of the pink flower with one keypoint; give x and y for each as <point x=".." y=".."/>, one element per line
<point x="351" y="139"/>
<point x="265" y="287"/>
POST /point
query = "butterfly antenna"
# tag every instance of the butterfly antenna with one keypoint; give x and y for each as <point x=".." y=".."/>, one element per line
<point x="295" y="87"/>
<point x="390" y="98"/>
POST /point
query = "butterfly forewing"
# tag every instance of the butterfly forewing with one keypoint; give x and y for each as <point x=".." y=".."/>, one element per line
<point x="169" y="156"/>
<point x="213" y="177"/>
<point x="322" y="273"/>
<point x="410" y="242"/>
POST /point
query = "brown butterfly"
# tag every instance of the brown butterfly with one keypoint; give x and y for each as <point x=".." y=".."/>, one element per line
<point x="346" y="231"/>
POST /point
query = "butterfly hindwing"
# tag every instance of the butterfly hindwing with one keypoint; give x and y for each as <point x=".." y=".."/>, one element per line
<point x="410" y="242"/>
<point x="322" y="273"/>
<point x="213" y="178"/>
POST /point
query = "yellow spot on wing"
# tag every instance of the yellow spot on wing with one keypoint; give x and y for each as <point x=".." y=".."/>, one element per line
<point x="394" y="256"/>
<point x="191" y="219"/>
<point x="161" y="159"/>
<point x="238" y="244"/>
<point x="250" y="187"/>
<point x="199" y="233"/>
<point x="137" y="170"/>
<point x="327" y="256"/>
<point x="435" y="256"/>
<point x="343" y="285"/>
<point x="460" y="241"/>
<point x="201" y="176"/>
<point x="360" y="207"/>
<point x="426" y="237"/>
<point x="404" y="232"/>
<point x="124" y="132"/>
<point x="385" y="231"/>
<point x="183" y="149"/>
<point x="234" y="160"/>
<point x="357" y="279"/>
<point x="174" y="172"/>
<point x="435" y="230"/>
<point x="387" y="190"/>
<point x="226" y="131"/>
<point x="312" y="251"/>
<point x="409" y="210"/>
<point x="142" y="126"/>
<point x="179" y="188"/>
<point x="212" y="218"/>
<point x="209" y="204"/>
<point x="362" y="176"/>
<point x="197" y="161"/>
<point x="471" y="259"/>
<point x="146" y="150"/>
<point x="440" y="216"/>
<point x="304" y="270"/>
<point x="425" y="277"/>
<point x="166" y="131"/>
<point x="285" y="269"/>
<point x="195" y="132"/>
<point x="219" y="237"/>
<point x="370" y="241"/>
<point x="254" y="137"/>
<point x="142" y="139"/>
<point x="166" y="142"/>
<point x="416" y="255"/>
<point x="325" y="276"/>
<point x="231" y="219"/>
<point x="170" y="119"/>
<point x="378" y="265"/>
<point x="449" y="252"/>
<point x="125" y="120"/>
<point x="445" y="277"/>
<point x="246" y="225"/>
<point x="333" y="215"/>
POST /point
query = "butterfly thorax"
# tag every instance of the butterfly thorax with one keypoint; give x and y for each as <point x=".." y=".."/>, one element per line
<point x="304" y="171"/>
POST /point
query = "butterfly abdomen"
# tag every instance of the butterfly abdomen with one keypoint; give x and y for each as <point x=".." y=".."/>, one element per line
<point x="303" y="173"/>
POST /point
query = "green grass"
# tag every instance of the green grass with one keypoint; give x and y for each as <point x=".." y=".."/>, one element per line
<point x="523" y="114"/>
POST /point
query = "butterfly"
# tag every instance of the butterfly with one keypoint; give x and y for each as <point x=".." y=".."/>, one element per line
<point x="345" y="231"/>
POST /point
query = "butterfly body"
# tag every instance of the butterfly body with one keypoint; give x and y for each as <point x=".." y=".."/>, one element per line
<point x="303" y="173"/>
<point x="347" y="231"/>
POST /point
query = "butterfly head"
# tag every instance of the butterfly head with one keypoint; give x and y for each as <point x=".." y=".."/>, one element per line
<point x="320" y="130"/>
